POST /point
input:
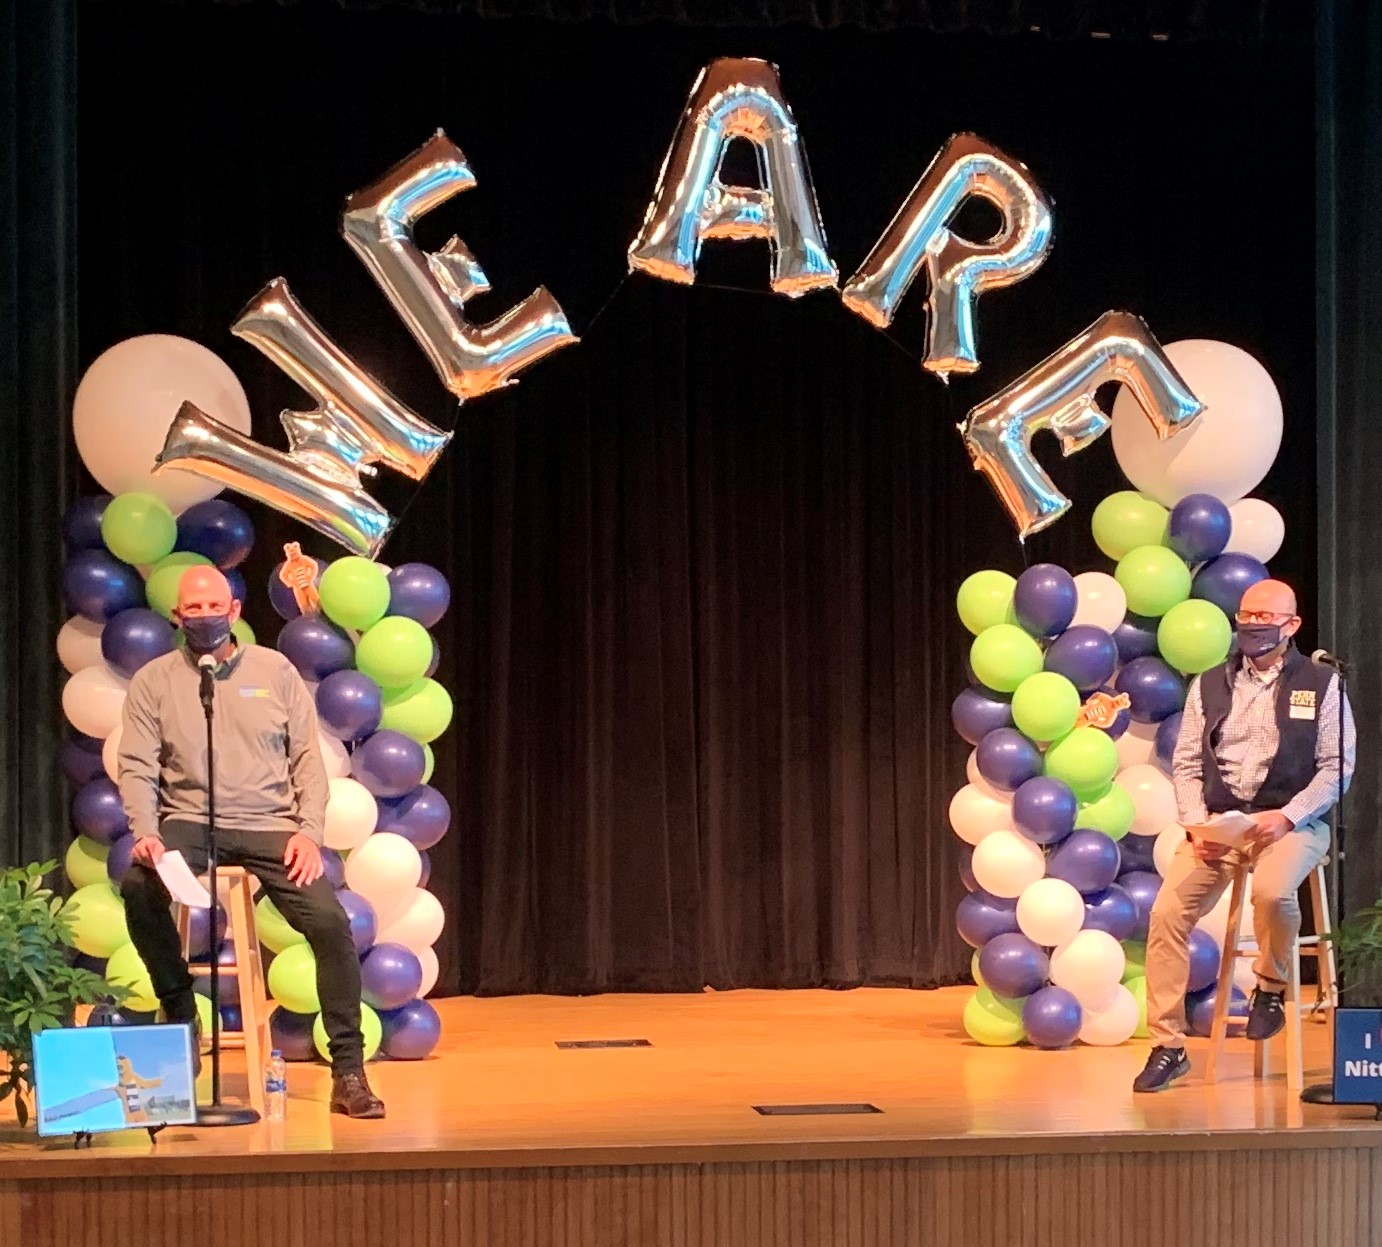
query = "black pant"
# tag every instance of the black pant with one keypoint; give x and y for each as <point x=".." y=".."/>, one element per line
<point x="313" y="910"/>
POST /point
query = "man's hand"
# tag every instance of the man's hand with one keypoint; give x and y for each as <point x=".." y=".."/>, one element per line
<point x="1207" y="850"/>
<point x="1271" y="826"/>
<point x="147" y="852"/>
<point x="304" y="861"/>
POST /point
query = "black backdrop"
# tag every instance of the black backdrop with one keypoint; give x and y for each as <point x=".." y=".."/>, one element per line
<point x="703" y="646"/>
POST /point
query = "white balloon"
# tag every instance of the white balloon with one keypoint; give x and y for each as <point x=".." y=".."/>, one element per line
<point x="94" y="699"/>
<point x="1153" y="797"/>
<point x="1258" y="529"/>
<point x="1229" y="448"/>
<point x="1113" y="1022"/>
<point x="419" y="924"/>
<point x="979" y="782"/>
<point x="79" y="644"/>
<point x="351" y="814"/>
<point x="1168" y="841"/>
<point x="109" y="753"/>
<point x="334" y="756"/>
<point x="1136" y="746"/>
<point x="128" y="398"/>
<point x="1050" y="912"/>
<point x="1100" y="602"/>
<point x="1089" y="965"/>
<point x="975" y="814"/>
<point x="1006" y="863"/>
<point x="385" y="870"/>
<point x="430" y="969"/>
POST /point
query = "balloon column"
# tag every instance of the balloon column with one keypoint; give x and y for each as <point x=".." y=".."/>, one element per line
<point x="1073" y="709"/>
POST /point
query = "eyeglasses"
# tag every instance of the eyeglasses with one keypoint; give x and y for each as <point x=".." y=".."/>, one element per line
<point x="1262" y="617"/>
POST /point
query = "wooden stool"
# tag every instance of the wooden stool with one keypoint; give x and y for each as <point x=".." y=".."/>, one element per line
<point x="1325" y="994"/>
<point x="248" y="970"/>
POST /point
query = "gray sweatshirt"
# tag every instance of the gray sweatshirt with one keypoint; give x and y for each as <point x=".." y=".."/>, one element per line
<point x="269" y="773"/>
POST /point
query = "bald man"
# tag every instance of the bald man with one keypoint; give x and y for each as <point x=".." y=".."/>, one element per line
<point x="1260" y="735"/>
<point x="271" y="792"/>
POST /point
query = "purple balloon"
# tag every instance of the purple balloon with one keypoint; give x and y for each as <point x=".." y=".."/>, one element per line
<point x="421" y="816"/>
<point x="364" y="923"/>
<point x="1111" y="910"/>
<point x="1137" y="852"/>
<point x="1052" y="1017"/>
<point x="1142" y="886"/>
<point x="426" y="859"/>
<point x="388" y="763"/>
<point x="1199" y="1011"/>
<point x="349" y="705"/>
<point x="1136" y="638"/>
<point x="978" y="711"/>
<point x="410" y="1033"/>
<point x="436" y="660"/>
<point x="1200" y="527"/>
<point x="1045" y="600"/>
<point x="1167" y="734"/>
<point x="81" y="526"/>
<point x="199" y="933"/>
<point x="390" y="976"/>
<point x="80" y="759"/>
<point x="419" y="591"/>
<point x="315" y="646"/>
<point x="229" y="984"/>
<point x="1224" y="580"/>
<point x="97" y="812"/>
<point x="967" y="878"/>
<point x="333" y="867"/>
<point x="1204" y="960"/>
<point x="134" y="637"/>
<point x="1007" y="759"/>
<point x="1012" y="965"/>
<point x="1044" y="810"/>
<point x="1156" y="691"/>
<point x="291" y="1034"/>
<point x="119" y="858"/>
<point x="1085" y="655"/>
<point x="217" y="529"/>
<point x="98" y="586"/>
<point x="281" y="596"/>
<point x="1086" y="859"/>
<point x="980" y="918"/>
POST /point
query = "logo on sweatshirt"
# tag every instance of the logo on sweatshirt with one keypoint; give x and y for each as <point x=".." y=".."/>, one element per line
<point x="254" y="692"/>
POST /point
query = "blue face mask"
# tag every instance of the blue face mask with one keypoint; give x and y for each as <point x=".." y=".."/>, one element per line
<point x="1258" y="640"/>
<point x="206" y="633"/>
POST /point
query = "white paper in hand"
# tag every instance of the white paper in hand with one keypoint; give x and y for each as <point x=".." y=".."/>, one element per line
<point x="1229" y="829"/>
<point x="181" y="883"/>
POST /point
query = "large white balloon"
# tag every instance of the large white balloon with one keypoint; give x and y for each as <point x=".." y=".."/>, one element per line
<point x="430" y="969"/>
<point x="1258" y="529"/>
<point x="1113" y="1022"/>
<point x="1230" y="447"/>
<point x="975" y="814"/>
<point x="1050" y="912"/>
<point x="1153" y="797"/>
<point x="79" y="644"/>
<point x="110" y="753"/>
<point x="1168" y="841"/>
<point x="334" y="756"/>
<point x="128" y="398"/>
<point x="1136" y="746"/>
<point x="1100" y="601"/>
<point x="351" y="814"/>
<point x="1089" y="966"/>
<point x="1006" y="863"/>
<point x="979" y="782"/>
<point x="94" y="699"/>
<point x="418" y="925"/>
<point x="385" y="870"/>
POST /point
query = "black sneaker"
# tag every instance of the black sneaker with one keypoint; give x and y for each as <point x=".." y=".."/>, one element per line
<point x="1266" y="1014"/>
<point x="1163" y="1067"/>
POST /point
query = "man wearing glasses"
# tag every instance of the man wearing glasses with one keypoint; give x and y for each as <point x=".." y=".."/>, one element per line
<point x="1260" y="735"/>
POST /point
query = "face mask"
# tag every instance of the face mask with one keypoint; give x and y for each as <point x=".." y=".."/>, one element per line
<point x="206" y="633"/>
<point x="1258" y="640"/>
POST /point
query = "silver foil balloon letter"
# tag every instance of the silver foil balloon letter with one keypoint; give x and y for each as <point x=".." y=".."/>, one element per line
<point x="958" y="270"/>
<point x="735" y="99"/>
<point x="429" y="290"/>
<point x="1058" y="394"/>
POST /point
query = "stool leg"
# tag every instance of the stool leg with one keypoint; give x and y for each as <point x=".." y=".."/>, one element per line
<point x="183" y="917"/>
<point x="250" y="1007"/>
<point x="1324" y="949"/>
<point x="1295" y="1062"/>
<point x="1218" y="1033"/>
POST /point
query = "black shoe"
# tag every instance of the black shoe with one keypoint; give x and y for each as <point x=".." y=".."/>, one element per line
<point x="179" y="1016"/>
<point x="1163" y="1067"/>
<point x="1266" y="1014"/>
<point x="351" y="1095"/>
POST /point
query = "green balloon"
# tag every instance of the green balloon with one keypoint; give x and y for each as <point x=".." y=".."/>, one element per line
<point x="986" y="599"/>
<point x="429" y="763"/>
<point x="1004" y="656"/>
<point x="275" y="931"/>
<point x="993" y="1020"/>
<point x="1112" y="813"/>
<point x="138" y="528"/>
<point x="1046" y="706"/>
<point x="85" y="862"/>
<point x="1086" y="759"/>
<point x="1124" y="521"/>
<point x="293" y="979"/>
<point x="370" y="1027"/>
<point x="974" y="969"/>
<point x="98" y="919"/>
<point x="125" y="969"/>
<point x="161" y="588"/>
<point x="1137" y="984"/>
<point x="1194" y="636"/>
<point x="1134" y="959"/>
<point x="1154" y="580"/>
<point x="355" y="594"/>
<point x="395" y="652"/>
<point x="422" y="710"/>
<point x="204" y="1017"/>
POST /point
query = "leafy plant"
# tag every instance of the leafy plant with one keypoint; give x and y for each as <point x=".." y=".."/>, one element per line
<point x="39" y="987"/>
<point x="1358" y="949"/>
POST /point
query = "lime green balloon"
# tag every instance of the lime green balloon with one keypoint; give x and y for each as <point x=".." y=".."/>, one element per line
<point x="974" y="969"/>
<point x="1125" y="521"/>
<point x="1003" y="656"/>
<point x="355" y="594"/>
<point x="1113" y="813"/>
<point x="85" y="862"/>
<point x="1086" y="759"/>
<point x="1154" y="579"/>
<point x="1046" y="706"/>
<point x="161" y="588"/>
<point x="395" y="652"/>
<point x="125" y="969"/>
<point x="1194" y="636"/>
<point x="1137" y="984"/>
<point x="204" y="1017"/>
<point x="370" y="1027"/>
<point x="274" y="930"/>
<point x="293" y="979"/>
<point x="97" y="918"/>
<point x="138" y="528"/>
<point x="1134" y="959"/>
<point x="422" y="710"/>
<point x="986" y="599"/>
<point x="429" y="763"/>
<point x="993" y="1020"/>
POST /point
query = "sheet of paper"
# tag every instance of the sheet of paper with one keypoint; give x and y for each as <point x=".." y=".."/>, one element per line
<point x="1230" y="829"/>
<point x="184" y="886"/>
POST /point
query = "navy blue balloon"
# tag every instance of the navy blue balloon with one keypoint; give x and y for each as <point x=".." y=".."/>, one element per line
<point x="1199" y="1011"/>
<point x="199" y="933"/>
<point x="1045" y="600"/>
<point x="1044" y="810"/>
<point x="421" y="816"/>
<point x="1200" y="527"/>
<point x="1167" y="734"/>
<point x="1012" y="965"/>
<point x="1052" y="1017"/>
<point x="1155" y="690"/>
<point x="390" y="976"/>
<point x="980" y="918"/>
<point x="1085" y="655"/>
<point x="333" y="867"/>
<point x="1136" y="638"/>
<point x="410" y="1033"/>
<point x="1138" y="853"/>
<point x="98" y="586"/>
<point x="1007" y="759"/>
<point x="1224" y="580"/>
<point x="80" y="759"/>
<point x="349" y="704"/>
<point x="315" y="646"/>
<point x="81" y="526"/>
<point x="1204" y="961"/>
<point x="235" y="578"/>
<point x="419" y="591"/>
<point x="232" y="1019"/>
<point x="97" y="812"/>
<point x="281" y="596"/>
<point x="134" y="637"/>
<point x="388" y="763"/>
<point x="426" y="859"/>
<point x="364" y="922"/>
<point x="1142" y="886"/>
<point x="978" y="711"/>
<point x="119" y="858"/>
<point x="1086" y="859"/>
<point x="436" y="660"/>
<point x="1111" y="910"/>
<point x="291" y="1034"/>
<point x="229" y="985"/>
<point x="218" y="529"/>
<point x="967" y="878"/>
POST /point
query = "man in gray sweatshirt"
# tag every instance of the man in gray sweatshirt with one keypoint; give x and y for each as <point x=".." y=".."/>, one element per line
<point x="271" y="793"/>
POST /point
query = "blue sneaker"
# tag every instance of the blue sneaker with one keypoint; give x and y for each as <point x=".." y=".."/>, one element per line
<point x="1266" y="1014"/>
<point x="1163" y="1067"/>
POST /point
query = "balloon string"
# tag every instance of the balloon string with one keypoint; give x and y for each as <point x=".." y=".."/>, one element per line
<point x="604" y="307"/>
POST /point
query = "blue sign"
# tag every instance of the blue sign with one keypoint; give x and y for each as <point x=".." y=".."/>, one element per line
<point x="1358" y="1056"/>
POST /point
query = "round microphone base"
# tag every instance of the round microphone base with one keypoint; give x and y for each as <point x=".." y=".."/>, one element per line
<point x="225" y="1115"/>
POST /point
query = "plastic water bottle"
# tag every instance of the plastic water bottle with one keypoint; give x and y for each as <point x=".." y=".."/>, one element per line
<point x="276" y="1087"/>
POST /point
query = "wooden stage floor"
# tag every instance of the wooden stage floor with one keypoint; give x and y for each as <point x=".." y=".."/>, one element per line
<point x="501" y="1137"/>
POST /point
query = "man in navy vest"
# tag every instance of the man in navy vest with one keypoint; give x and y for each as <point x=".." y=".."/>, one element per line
<point x="1260" y="735"/>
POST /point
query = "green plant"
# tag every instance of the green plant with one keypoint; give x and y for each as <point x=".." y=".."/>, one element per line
<point x="1358" y="949"/>
<point x="39" y="987"/>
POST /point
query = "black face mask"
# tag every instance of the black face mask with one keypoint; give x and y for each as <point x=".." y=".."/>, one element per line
<point x="206" y="633"/>
<point x="1258" y="640"/>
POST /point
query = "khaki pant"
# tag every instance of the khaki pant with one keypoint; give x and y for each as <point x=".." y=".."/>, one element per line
<point x="1192" y="888"/>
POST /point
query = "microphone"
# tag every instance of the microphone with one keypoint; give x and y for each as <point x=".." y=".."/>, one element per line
<point x="1325" y="658"/>
<point x="206" y="664"/>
